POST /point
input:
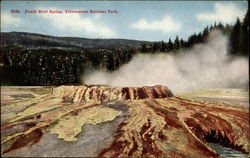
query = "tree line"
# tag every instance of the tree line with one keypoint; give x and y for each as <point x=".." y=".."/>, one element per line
<point x="238" y="38"/>
<point x="52" y="66"/>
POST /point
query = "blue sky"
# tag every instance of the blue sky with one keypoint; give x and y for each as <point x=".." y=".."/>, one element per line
<point x="141" y="20"/>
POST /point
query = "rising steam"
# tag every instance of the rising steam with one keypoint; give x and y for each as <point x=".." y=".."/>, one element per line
<point x="206" y="65"/>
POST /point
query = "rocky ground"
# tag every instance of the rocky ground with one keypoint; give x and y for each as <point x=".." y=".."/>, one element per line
<point x="102" y="121"/>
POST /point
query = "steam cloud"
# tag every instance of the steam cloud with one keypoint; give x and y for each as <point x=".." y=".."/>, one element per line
<point x="206" y="65"/>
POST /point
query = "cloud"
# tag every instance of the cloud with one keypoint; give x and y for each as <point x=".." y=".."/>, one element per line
<point x="8" y="19"/>
<point x="225" y="13"/>
<point x="78" y="24"/>
<point x="166" y="24"/>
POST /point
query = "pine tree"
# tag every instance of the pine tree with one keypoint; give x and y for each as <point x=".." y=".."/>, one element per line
<point x="199" y="38"/>
<point x="182" y="44"/>
<point x="205" y="34"/>
<point x="220" y="26"/>
<point x="245" y="34"/>
<point x="170" y="44"/>
<point x="235" y="39"/>
<point x="163" y="46"/>
<point x="177" y="43"/>
<point x="192" y="40"/>
<point x="215" y="24"/>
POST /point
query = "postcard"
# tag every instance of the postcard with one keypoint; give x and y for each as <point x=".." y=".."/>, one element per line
<point x="125" y="79"/>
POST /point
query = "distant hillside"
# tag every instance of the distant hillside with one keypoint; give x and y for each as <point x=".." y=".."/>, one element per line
<point x="33" y="40"/>
<point x="36" y="59"/>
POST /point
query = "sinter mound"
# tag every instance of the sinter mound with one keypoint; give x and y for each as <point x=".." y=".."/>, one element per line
<point x="106" y="93"/>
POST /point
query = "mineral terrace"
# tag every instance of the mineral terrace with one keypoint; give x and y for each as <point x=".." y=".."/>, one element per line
<point x="103" y="121"/>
